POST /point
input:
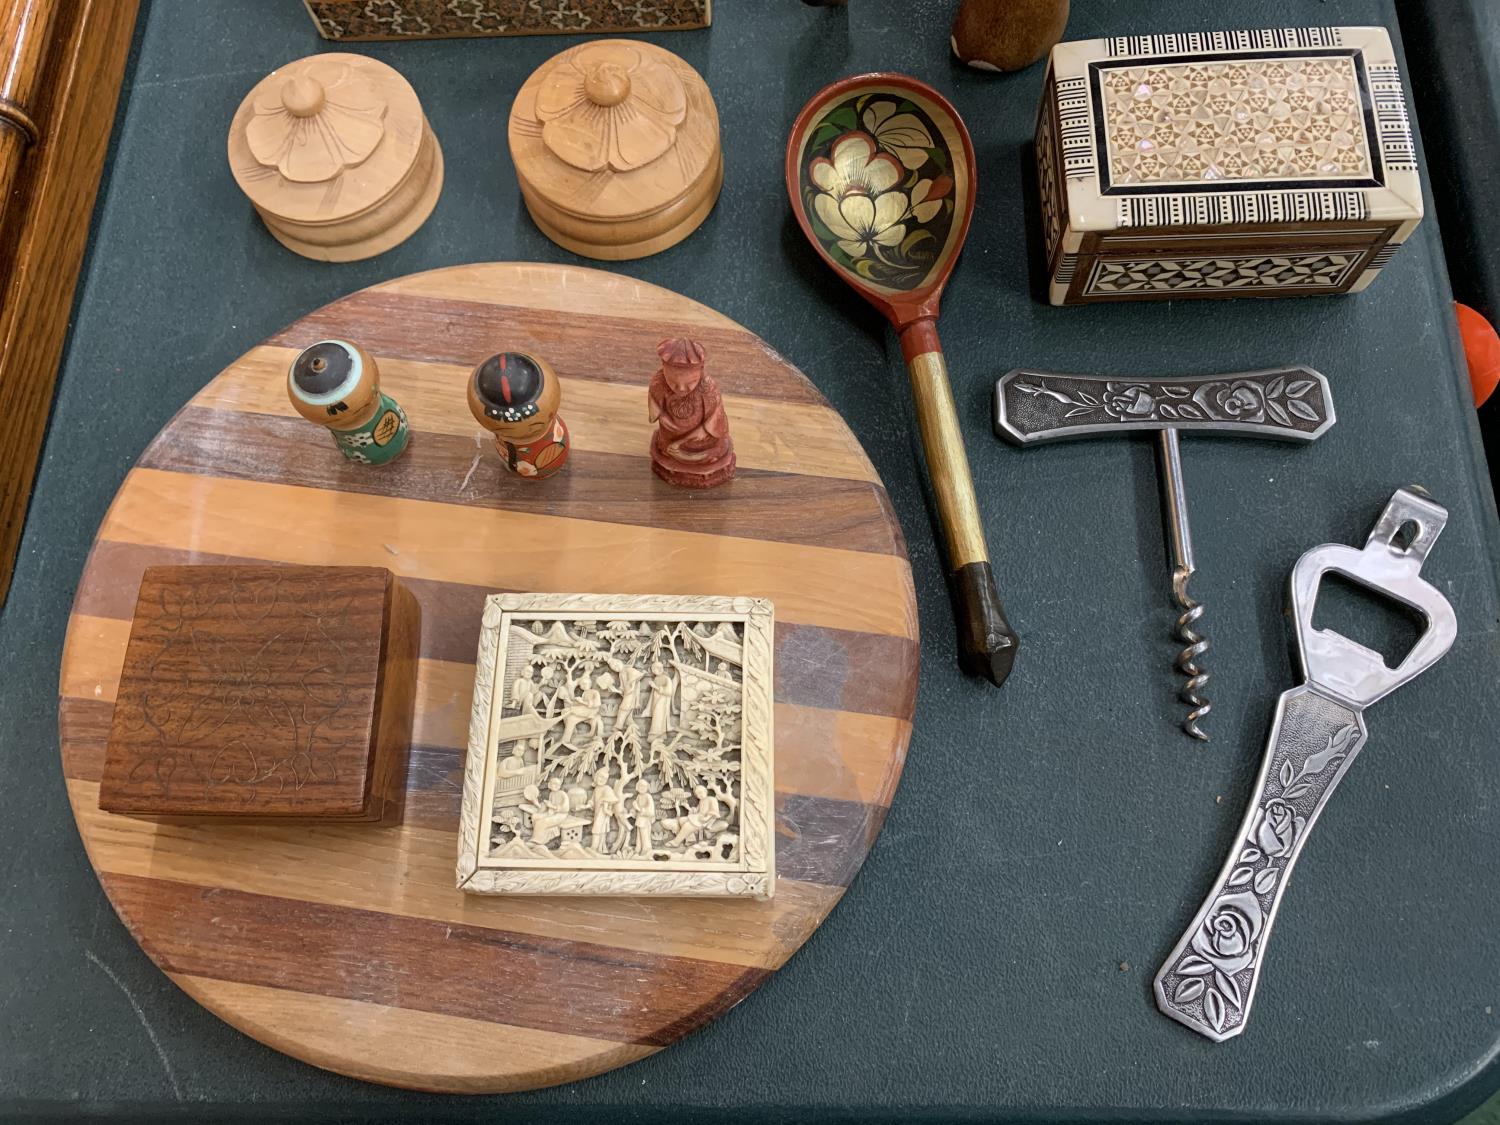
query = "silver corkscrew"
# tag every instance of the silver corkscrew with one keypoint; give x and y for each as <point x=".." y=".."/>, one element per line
<point x="1289" y="403"/>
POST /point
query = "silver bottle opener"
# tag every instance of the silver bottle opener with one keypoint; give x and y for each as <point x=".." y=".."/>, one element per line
<point x="1209" y="981"/>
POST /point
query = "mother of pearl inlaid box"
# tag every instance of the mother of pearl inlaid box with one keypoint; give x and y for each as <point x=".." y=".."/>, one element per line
<point x="1268" y="163"/>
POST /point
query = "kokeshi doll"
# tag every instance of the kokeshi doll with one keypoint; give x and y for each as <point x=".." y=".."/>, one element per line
<point x="516" y="396"/>
<point x="336" y="384"/>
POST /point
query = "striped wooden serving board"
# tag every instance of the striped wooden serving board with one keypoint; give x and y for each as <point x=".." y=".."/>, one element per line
<point x="348" y="946"/>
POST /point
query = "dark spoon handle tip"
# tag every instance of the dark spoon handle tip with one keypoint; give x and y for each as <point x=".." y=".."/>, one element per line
<point x="986" y="642"/>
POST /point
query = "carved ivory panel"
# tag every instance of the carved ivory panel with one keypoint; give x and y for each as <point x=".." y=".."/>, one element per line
<point x="620" y="745"/>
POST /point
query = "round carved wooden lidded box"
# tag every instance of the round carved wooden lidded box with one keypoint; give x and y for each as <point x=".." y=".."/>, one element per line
<point x="616" y="148"/>
<point x="337" y="157"/>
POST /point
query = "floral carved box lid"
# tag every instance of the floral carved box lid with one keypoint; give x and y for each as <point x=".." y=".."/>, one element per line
<point x="1233" y="128"/>
<point x="616" y="143"/>
<point x="325" y="137"/>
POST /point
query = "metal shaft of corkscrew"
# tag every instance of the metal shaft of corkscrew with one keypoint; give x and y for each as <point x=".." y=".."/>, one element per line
<point x="1287" y="403"/>
<point x="1180" y="551"/>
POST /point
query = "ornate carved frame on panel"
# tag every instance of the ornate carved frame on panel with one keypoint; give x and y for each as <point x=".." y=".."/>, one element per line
<point x="621" y="745"/>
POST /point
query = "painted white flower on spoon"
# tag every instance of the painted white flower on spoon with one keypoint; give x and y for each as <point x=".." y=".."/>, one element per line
<point x="901" y="134"/>
<point x="854" y="201"/>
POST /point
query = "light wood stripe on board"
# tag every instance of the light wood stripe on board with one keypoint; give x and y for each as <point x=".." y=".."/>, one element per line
<point x="601" y="417"/>
<point x="606" y="487"/>
<point x="549" y="288"/>
<point x="830" y="669"/>
<point x="349" y="866"/>
<point x="458" y="1053"/>
<point x="839" y="755"/>
<point x="284" y="523"/>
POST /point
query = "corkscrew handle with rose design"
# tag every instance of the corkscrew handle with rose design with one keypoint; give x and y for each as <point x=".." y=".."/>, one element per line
<point x="1285" y="403"/>
<point x="1209" y="980"/>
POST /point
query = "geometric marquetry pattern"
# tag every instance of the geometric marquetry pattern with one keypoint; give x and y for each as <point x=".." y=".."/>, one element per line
<point x="1155" y="275"/>
<point x="1239" y="208"/>
<point x="1391" y="119"/>
<point x="1049" y="178"/>
<point x="1198" y="42"/>
<point x="1075" y="128"/>
<point x="1237" y="119"/>
<point x="1384" y="256"/>
<point x="408" y="19"/>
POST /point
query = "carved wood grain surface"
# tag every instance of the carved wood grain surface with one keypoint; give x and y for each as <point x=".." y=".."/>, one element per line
<point x="264" y="691"/>
<point x="348" y="946"/>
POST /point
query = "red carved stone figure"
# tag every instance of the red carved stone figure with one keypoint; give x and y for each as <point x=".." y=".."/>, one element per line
<point x="691" y="446"/>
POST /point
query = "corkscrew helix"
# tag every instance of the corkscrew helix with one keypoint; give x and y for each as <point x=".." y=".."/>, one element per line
<point x="1290" y="403"/>
<point x="1180" y="547"/>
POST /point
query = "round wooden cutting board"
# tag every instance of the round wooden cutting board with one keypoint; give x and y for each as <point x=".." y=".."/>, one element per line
<point x="348" y="946"/>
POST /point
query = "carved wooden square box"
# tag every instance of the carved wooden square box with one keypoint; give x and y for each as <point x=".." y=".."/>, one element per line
<point x="1224" y="164"/>
<point x="254" y="692"/>
<point x="448" y="19"/>
<point x="621" y="745"/>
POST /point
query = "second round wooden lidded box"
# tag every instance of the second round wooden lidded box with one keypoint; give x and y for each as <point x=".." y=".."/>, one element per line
<point x="616" y="148"/>
<point x="336" y="155"/>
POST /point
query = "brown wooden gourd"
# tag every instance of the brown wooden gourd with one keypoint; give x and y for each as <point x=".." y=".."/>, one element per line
<point x="1007" y="34"/>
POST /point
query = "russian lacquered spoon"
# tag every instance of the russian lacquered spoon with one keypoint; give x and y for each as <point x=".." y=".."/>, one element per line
<point x="880" y="170"/>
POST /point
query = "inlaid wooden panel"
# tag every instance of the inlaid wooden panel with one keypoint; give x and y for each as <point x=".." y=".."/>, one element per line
<point x="347" y="946"/>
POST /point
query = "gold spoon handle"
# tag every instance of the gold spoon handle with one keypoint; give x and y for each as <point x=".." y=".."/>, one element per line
<point x="987" y="644"/>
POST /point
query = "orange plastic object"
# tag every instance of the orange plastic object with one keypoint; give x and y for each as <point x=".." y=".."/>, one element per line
<point x="1482" y="348"/>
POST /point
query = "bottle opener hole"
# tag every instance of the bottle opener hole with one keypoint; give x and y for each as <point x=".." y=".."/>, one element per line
<point x="1368" y="618"/>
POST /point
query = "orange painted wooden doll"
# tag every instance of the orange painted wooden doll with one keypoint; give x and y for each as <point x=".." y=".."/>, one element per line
<point x="516" y="396"/>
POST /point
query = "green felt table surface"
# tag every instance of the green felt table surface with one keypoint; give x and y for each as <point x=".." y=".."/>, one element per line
<point x="1050" y="840"/>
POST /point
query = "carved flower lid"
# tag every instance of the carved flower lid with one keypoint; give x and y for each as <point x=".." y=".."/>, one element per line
<point x="325" y="137"/>
<point x="615" y="129"/>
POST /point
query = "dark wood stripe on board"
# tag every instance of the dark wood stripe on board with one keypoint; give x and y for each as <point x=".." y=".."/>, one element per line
<point x="603" y="487"/>
<point x="833" y="669"/>
<point x="610" y="349"/>
<point x="817" y="838"/>
<point x="546" y="983"/>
